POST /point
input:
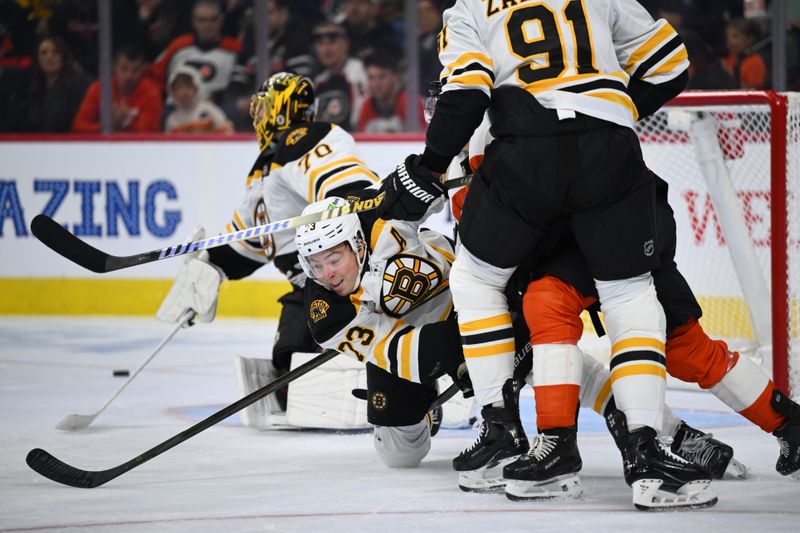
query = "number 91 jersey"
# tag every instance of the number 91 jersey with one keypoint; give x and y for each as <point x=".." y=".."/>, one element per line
<point x="570" y="54"/>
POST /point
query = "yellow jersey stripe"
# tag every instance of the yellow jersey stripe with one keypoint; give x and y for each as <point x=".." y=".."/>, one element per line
<point x="649" y="46"/>
<point x="469" y="57"/>
<point x="321" y="170"/>
<point x="380" y="347"/>
<point x="642" y="343"/>
<point x="637" y="370"/>
<point x="405" y="356"/>
<point x="377" y="230"/>
<point x="501" y="348"/>
<point x="476" y="78"/>
<point x="617" y="98"/>
<point x="355" y="298"/>
<point x="485" y="323"/>
<point x="669" y="65"/>
<point x="444" y="253"/>
<point x="253" y="177"/>
<point x="339" y="177"/>
<point x="566" y="81"/>
<point x="605" y="390"/>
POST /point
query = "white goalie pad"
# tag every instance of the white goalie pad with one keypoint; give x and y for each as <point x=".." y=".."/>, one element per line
<point x="196" y="287"/>
<point x="323" y="397"/>
<point x="251" y="375"/>
<point x="458" y="412"/>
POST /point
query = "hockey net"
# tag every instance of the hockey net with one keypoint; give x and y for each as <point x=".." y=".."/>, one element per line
<point x="732" y="161"/>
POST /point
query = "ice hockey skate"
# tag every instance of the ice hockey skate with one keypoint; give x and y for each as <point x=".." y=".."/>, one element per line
<point x="788" y="435"/>
<point x="501" y="440"/>
<point x="549" y="470"/>
<point x="710" y="454"/>
<point x="660" y="481"/>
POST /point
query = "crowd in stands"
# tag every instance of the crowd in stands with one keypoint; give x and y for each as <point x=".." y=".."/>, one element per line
<point x="188" y="66"/>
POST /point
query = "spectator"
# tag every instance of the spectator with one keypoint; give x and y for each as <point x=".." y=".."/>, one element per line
<point x="157" y="22"/>
<point x="57" y="88"/>
<point x="289" y="50"/>
<point x="76" y="21"/>
<point x="342" y="85"/>
<point x="136" y="100"/>
<point x="205" y="49"/>
<point x="191" y="113"/>
<point x="385" y="109"/>
<point x="366" y="30"/>
<point x="430" y="24"/>
<point x="747" y="68"/>
<point x="705" y="68"/>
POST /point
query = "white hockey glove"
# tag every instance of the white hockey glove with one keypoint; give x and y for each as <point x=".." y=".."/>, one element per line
<point x="196" y="287"/>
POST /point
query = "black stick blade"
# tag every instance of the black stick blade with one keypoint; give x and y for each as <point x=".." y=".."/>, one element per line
<point x="64" y="243"/>
<point x="60" y="472"/>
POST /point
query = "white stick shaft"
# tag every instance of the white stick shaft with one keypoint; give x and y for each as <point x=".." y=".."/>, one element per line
<point x="73" y="422"/>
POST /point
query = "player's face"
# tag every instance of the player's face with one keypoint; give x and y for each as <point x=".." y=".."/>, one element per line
<point x="336" y="268"/>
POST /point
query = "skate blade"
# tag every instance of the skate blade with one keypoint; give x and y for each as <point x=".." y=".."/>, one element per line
<point x="485" y="479"/>
<point x="566" y="487"/>
<point x="648" y="496"/>
<point x="735" y="470"/>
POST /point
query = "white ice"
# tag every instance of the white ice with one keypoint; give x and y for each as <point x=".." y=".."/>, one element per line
<point x="232" y="478"/>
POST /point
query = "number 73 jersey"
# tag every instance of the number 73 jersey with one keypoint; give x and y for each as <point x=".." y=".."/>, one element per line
<point x="570" y="54"/>
<point x="396" y="319"/>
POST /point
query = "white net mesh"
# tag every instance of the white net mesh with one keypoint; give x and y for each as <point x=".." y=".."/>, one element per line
<point x="716" y="242"/>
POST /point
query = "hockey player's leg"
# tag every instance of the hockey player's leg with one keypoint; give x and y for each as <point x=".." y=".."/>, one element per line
<point x="399" y="410"/>
<point x="740" y="384"/>
<point x="549" y="470"/>
<point x="403" y="446"/>
<point x="488" y="341"/>
<point x="636" y="325"/>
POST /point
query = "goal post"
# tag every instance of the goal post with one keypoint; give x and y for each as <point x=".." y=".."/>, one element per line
<point x="732" y="161"/>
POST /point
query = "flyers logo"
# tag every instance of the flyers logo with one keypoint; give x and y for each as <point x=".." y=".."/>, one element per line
<point x="318" y="310"/>
<point x="406" y="279"/>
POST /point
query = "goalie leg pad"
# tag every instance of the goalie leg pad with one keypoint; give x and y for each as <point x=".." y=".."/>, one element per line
<point x="251" y="375"/>
<point x="323" y="398"/>
<point x="402" y="446"/>
<point x="487" y="336"/>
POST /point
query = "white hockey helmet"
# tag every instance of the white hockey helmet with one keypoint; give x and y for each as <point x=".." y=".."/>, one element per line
<point x="326" y="234"/>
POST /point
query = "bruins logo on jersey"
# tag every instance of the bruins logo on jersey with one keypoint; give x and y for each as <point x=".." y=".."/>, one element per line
<point x="296" y="135"/>
<point x="318" y="310"/>
<point x="406" y="279"/>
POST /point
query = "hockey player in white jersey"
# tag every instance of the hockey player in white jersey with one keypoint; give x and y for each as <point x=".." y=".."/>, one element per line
<point x="563" y="81"/>
<point x="300" y="162"/>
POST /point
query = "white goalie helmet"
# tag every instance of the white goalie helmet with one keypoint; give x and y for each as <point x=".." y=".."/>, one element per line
<point x="326" y="234"/>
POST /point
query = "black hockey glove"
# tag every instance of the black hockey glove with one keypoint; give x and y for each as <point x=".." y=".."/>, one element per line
<point x="409" y="191"/>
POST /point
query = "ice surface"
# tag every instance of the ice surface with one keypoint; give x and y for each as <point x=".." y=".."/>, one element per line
<point x="231" y="478"/>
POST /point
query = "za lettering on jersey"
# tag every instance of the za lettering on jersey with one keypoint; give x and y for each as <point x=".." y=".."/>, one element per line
<point x="572" y="54"/>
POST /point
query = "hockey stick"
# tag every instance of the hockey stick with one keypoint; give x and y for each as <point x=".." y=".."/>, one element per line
<point x="52" y="468"/>
<point x="60" y="240"/>
<point x="75" y="422"/>
<point x="440" y="400"/>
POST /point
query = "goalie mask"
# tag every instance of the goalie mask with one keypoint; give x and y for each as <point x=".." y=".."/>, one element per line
<point x="281" y="100"/>
<point x="338" y="270"/>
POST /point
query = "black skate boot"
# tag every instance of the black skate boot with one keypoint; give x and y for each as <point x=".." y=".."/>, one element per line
<point x="788" y="435"/>
<point x="659" y="481"/>
<point x="548" y="470"/>
<point x="501" y="440"/>
<point x="713" y="456"/>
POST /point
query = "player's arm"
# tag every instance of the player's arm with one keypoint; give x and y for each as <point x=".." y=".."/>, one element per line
<point x="467" y="81"/>
<point x="319" y="160"/>
<point x="651" y="52"/>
